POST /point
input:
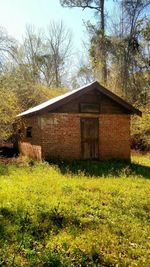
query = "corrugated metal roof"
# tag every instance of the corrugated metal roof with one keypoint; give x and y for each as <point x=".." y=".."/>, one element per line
<point x="52" y="101"/>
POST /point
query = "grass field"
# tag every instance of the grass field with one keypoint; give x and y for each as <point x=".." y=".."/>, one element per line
<point x="77" y="214"/>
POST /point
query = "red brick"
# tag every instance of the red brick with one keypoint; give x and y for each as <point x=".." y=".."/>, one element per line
<point x="58" y="135"/>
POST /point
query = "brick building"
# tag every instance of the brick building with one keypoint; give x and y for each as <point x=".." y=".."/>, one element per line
<point x="87" y="123"/>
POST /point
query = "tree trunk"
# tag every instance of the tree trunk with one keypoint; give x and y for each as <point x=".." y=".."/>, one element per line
<point x="103" y="49"/>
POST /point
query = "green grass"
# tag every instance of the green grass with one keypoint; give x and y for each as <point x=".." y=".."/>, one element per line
<point x="75" y="214"/>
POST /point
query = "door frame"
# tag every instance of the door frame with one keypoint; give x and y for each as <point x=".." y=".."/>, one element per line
<point x="81" y="135"/>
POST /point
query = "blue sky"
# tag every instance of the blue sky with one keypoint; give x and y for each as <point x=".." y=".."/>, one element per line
<point x="16" y="14"/>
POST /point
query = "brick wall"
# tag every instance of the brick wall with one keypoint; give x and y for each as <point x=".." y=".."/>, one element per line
<point x="58" y="134"/>
<point x="28" y="146"/>
<point x="61" y="136"/>
<point x="114" y="138"/>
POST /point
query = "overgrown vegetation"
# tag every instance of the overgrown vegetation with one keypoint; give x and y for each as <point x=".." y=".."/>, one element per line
<point x="42" y="64"/>
<point x="140" y="132"/>
<point x="75" y="214"/>
<point x="17" y="95"/>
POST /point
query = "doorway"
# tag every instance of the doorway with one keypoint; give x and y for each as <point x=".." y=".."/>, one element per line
<point x="90" y="138"/>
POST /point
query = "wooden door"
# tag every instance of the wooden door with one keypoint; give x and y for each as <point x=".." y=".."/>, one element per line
<point x="90" y="138"/>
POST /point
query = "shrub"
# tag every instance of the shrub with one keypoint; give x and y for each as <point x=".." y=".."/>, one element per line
<point x="140" y="132"/>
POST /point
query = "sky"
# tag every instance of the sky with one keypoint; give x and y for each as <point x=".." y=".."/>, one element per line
<point x="16" y="14"/>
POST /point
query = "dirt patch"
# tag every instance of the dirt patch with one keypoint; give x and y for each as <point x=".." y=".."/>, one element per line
<point x="7" y="160"/>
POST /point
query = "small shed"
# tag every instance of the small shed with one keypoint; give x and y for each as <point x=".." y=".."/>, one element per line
<point x="90" y="123"/>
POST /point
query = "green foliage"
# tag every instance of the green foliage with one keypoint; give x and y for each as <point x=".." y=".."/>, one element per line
<point x="99" y="50"/>
<point x="124" y="51"/>
<point x="30" y="95"/>
<point x="8" y="110"/>
<point x="16" y="95"/>
<point x="27" y="92"/>
<point x="146" y="31"/>
<point x="140" y="132"/>
<point x="75" y="214"/>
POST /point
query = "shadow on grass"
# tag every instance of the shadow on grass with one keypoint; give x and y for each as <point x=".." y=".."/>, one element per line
<point x="25" y="236"/>
<point x="26" y="239"/>
<point x="4" y="170"/>
<point x="115" y="168"/>
<point x="55" y="219"/>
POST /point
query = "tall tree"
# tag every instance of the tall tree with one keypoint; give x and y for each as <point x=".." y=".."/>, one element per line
<point x="33" y="47"/>
<point x="59" y="49"/>
<point x="127" y="49"/>
<point x="98" y="6"/>
<point x="43" y="58"/>
<point x="7" y="47"/>
<point x="136" y="13"/>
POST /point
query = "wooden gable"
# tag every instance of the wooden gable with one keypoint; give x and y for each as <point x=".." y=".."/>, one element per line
<point x="92" y="102"/>
<point x="92" y="98"/>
